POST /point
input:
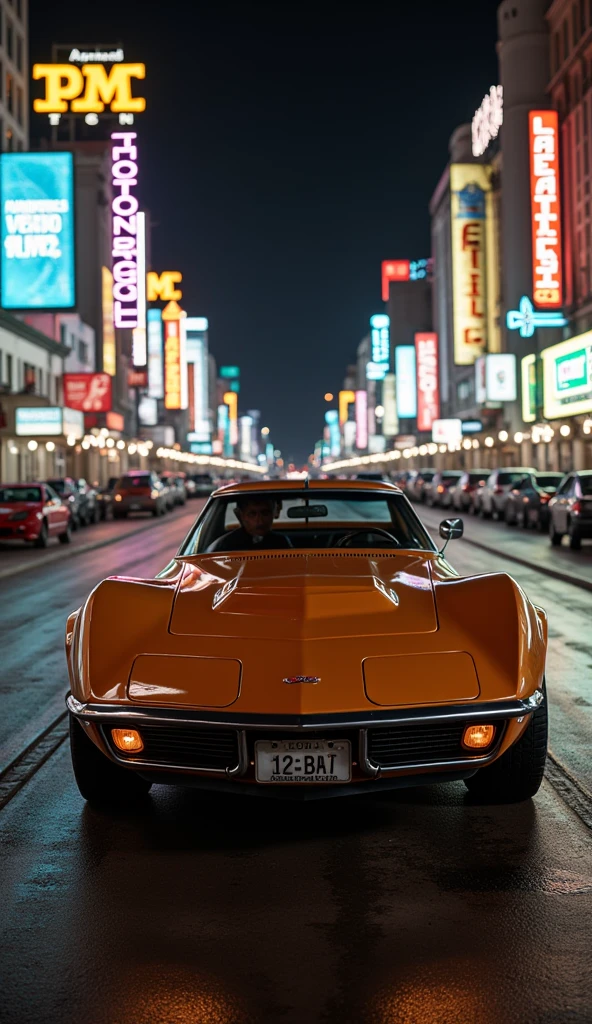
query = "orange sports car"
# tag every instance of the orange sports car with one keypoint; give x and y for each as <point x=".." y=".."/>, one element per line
<point x="308" y="640"/>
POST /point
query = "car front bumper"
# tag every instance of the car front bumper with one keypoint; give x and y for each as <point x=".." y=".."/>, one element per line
<point x="403" y="747"/>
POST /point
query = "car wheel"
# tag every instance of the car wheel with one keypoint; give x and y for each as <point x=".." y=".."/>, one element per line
<point x="75" y="523"/>
<point x="66" y="536"/>
<point x="96" y="515"/>
<point x="43" y="539"/>
<point x="510" y="520"/>
<point x="522" y="521"/>
<point x="99" y="780"/>
<point x="554" y="536"/>
<point x="575" y="541"/>
<point x="517" y="774"/>
<point x="483" y="513"/>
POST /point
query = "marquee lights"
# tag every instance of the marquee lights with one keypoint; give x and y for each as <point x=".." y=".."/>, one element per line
<point x="139" y="349"/>
<point x="487" y="120"/>
<point x="428" y="391"/>
<point x="547" y="257"/>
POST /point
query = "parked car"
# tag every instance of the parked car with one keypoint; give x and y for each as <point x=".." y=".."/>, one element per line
<point x="570" y="511"/>
<point x="34" y="513"/>
<point x="377" y="477"/>
<point x="169" y="493"/>
<point x="462" y="494"/>
<point x="437" y="492"/>
<point x="176" y="483"/>
<point x="528" y="500"/>
<point x="140" y="490"/>
<point x="417" y="487"/>
<point x="105" y="498"/>
<point x="203" y="485"/>
<point x="68" y="490"/>
<point x="494" y="495"/>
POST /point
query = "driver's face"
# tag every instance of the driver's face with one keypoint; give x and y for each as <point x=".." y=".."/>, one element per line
<point x="256" y="518"/>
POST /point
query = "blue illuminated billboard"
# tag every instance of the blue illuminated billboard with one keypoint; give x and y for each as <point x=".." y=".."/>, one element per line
<point x="38" y="254"/>
<point x="406" y="381"/>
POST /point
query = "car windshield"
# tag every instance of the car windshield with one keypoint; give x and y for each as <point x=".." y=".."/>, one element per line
<point x="429" y="474"/>
<point x="58" y="485"/>
<point x="477" y="478"/>
<point x="135" y="481"/>
<point x="8" y="495"/>
<point x="320" y="519"/>
<point x="451" y="477"/>
<point x="586" y="484"/>
<point x="552" y="480"/>
<point x="509" y="478"/>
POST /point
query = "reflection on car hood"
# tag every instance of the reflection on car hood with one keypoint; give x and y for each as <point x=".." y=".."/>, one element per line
<point x="296" y="595"/>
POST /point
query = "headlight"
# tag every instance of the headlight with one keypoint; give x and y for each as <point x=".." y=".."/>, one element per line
<point x="154" y="494"/>
<point x="118" y="497"/>
<point x="19" y="515"/>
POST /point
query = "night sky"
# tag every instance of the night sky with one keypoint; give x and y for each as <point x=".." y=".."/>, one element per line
<point x="286" y="150"/>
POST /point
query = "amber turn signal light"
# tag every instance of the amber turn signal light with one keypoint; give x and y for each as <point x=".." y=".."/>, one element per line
<point x="477" y="737"/>
<point x="128" y="740"/>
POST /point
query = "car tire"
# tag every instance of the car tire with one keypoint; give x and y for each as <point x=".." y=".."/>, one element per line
<point x="517" y="774"/>
<point x="66" y="536"/>
<point x="554" y="536"/>
<point x="96" y="516"/>
<point x="508" y="518"/>
<point x="575" y="541"/>
<point x="99" y="780"/>
<point x="522" y="521"/>
<point x="43" y="538"/>
<point x="483" y="514"/>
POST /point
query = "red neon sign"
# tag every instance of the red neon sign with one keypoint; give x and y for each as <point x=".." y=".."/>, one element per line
<point x="89" y="392"/>
<point x="547" y="256"/>
<point x="428" y="388"/>
<point x="393" y="270"/>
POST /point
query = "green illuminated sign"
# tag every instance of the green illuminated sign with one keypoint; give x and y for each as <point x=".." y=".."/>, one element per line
<point x="229" y="372"/>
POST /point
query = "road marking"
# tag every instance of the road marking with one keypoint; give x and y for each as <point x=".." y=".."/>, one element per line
<point x="30" y="760"/>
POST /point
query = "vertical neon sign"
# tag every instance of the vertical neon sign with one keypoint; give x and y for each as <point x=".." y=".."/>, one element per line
<point x="547" y="262"/>
<point x="361" y="420"/>
<point x="125" y="229"/>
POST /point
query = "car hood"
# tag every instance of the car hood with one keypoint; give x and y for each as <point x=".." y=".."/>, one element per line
<point x="308" y="595"/>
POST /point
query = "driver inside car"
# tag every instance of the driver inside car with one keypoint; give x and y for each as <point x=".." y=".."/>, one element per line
<point x="255" y="533"/>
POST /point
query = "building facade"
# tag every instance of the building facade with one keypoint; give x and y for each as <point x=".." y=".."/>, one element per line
<point x="14" y="75"/>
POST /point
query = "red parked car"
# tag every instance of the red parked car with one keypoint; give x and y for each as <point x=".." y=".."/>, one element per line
<point x="34" y="513"/>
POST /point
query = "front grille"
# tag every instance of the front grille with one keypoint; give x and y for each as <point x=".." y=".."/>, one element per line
<point x="425" y="743"/>
<point x="186" y="746"/>
<point x="5" y="531"/>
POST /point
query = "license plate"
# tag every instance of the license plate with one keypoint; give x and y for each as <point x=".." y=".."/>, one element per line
<point x="301" y="761"/>
<point x="135" y="508"/>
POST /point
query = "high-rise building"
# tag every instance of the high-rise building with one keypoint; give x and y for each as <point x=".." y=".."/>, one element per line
<point x="14" y="75"/>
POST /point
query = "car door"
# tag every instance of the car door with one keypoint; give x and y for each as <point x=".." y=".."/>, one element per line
<point x="562" y="503"/>
<point x="486" y="497"/>
<point x="52" y="511"/>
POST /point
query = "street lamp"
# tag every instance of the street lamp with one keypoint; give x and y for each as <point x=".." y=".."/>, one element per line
<point x="328" y="396"/>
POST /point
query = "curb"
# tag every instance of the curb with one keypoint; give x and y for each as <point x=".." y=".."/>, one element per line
<point x="60" y="556"/>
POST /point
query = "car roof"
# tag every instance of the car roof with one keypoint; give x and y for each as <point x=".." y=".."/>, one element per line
<point x="269" y="486"/>
<point x="24" y="483"/>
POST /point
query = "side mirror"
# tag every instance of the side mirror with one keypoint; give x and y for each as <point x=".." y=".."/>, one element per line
<point x="451" y="529"/>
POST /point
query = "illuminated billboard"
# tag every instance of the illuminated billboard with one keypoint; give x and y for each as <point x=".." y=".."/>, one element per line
<point x="89" y="89"/>
<point x="361" y="420"/>
<point x="428" y="389"/>
<point x="447" y="431"/>
<point x="567" y="377"/>
<point x="390" y="420"/>
<point x="393" y="270"/>
<point x="48" y="421"/>
<point x="164" y="286"/>
<point x="547" y="258"/>
<point x="38" y="247"/>
<point x="139" y="345"/>
<point x="89" y="392"/>
<point x="175" y="362"/>
<point x="124" y="173"/>
<point x="197" y="357"/>
<point x="474" y="265"/>
<point x="529" y="388"/>
<point x="332" y="421"/>
<point x="405" y="372"/>
<point x="109" y="345"/>
<point x="155" y="354"/>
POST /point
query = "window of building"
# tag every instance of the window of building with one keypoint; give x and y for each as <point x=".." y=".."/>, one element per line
<point x="19" y="104"/>
<point x="575" y="23"/>
<point x="82" y="351"/>
<point x="19" y="53"/>
<point x="19" y="9"/>
<point x="555" y="55"/>
<point x="9" y="91"/>
<point x="9" y="370"/>
<point x="565" y="31"/>
<point x="9" y="40"/>
<point x="9" y="140"/>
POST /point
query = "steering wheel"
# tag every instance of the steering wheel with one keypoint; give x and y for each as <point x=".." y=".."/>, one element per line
<point x="347" y="537"/>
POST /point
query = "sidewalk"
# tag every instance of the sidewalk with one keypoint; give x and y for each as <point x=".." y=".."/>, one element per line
<point x="527" y="547"/>
<point x="18" y="558"/>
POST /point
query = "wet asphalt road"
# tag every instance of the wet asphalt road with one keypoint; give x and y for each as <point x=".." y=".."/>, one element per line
<point x="410" y="907"/>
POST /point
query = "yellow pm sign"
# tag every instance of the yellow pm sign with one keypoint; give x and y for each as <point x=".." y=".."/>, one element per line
<point x="88" y="90"/>
<point x="162" y="286"/>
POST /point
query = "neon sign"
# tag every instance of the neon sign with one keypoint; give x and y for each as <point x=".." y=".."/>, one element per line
<point x="380" y="347"/>
<point x="547" y="270"/>
<point x="428" y="391"/>
<point x="393" y="270"/>
<point x="470" y="189"/>
<point x="125" y="229"/>
<point x="361" y="420"/>
<point x="89" y="89"/>
<point x="163" y="286"/>
<point x="526" y="319"/>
